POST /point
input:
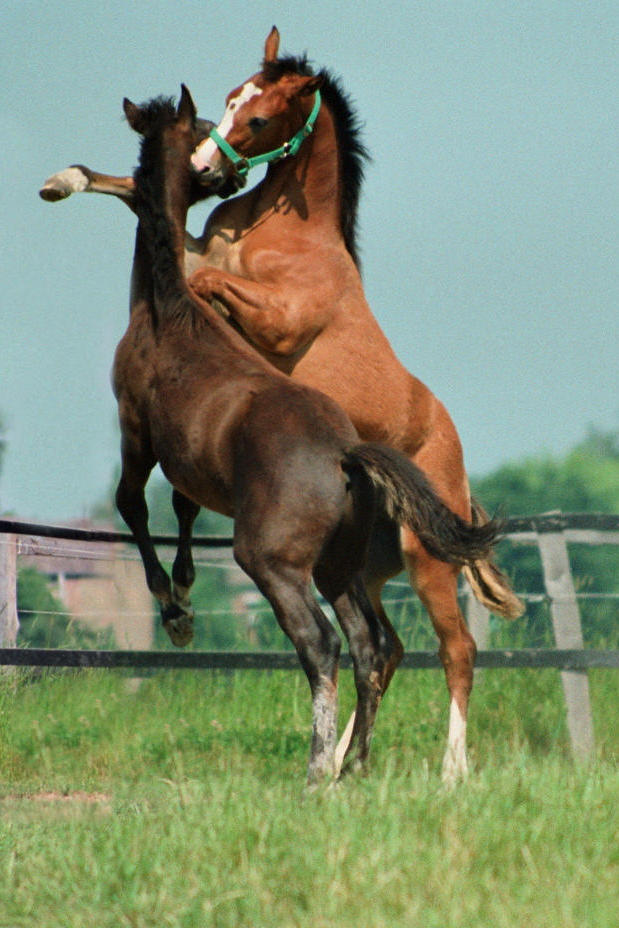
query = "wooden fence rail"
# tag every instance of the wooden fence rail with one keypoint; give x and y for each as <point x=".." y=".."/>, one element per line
<point x="551" y="532"/>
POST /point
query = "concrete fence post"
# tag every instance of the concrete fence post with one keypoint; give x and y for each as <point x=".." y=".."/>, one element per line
<point x="568" y="635"/>
<point x="9" y="623"/>
<point x="478" y="621"/>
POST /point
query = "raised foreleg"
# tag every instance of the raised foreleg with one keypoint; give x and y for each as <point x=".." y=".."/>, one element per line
<point x="183" y="570"/>
<point x="131" y="503"/>
<point x="278" y="318"/>
<point x="80" y="179"/>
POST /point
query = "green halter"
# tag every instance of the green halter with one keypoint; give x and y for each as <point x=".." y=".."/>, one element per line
<point x="286" y="150"/>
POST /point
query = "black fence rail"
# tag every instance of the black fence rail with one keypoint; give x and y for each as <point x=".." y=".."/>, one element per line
<point x="533" y="658"/>
<point x="514" y="525"/>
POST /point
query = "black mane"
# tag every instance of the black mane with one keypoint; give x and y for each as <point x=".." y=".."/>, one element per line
<point x="154" y="228"/>
<point x="155" y="115"/>
<point x="352" y="151"/>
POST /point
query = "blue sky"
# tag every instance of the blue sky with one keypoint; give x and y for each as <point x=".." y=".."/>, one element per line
<point x="488" y="219"/>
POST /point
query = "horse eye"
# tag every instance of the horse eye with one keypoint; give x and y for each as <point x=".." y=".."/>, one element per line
<point x="256" y="123"/>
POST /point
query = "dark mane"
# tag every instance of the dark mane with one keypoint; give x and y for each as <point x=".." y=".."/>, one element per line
<point x="157" y="113"/>
<point x="353" y="153"/>
<point x="154" y="226"/>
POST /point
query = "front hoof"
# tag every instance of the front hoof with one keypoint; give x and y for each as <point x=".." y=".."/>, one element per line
<point x="353" y="767"/>
<point x="179" y="625"/>
<point x="62" y="185"/>
<point x="52" y="194"/>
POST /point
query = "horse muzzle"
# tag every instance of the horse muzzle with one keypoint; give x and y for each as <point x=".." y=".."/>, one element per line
<point x="217" y="180"/>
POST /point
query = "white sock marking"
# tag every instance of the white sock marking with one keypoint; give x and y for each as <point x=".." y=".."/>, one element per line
<point x="69" y="181"/>
<point x="454" y="762"/>
<point x="324" y="731"/>
<point x="342" y="745"/>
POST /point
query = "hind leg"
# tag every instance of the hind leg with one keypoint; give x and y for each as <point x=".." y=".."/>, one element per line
<point x="436" y="584"/>
<point x="383" y="560"/>
<point x="370" y="652"/>
<point x="389" y="655"/>
<point x="287" y="587"/>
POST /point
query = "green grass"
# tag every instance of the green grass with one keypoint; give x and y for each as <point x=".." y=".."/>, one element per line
<point x="184" y="806"/>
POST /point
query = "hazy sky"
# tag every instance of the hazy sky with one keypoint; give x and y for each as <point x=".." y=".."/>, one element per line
<point x="488" y="219"/>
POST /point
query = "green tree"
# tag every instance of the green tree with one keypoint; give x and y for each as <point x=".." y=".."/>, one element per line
<point x="585" y="480"/>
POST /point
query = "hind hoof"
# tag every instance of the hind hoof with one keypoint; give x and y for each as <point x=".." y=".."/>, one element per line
<point x="178" y="623"/>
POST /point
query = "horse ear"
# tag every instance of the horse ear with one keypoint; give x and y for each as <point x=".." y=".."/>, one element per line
<point x="271" y="46"/>
<point x="298" y="86"/>
<point x="186" y="107"/>
<point x="134" y="115"/>
<point x="310" y="85"/>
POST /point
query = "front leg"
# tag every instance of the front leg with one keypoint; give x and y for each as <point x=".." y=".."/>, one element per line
<point x="183" y="570"/>
<point x="80" y="179"/>
<point x="131" y="503"/>
<point x="279" y="319"/>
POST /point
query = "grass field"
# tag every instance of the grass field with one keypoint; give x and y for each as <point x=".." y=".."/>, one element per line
<point x="181" y="803"/>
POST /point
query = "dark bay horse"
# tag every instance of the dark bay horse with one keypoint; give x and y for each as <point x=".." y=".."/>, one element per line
<point x="279" y="261"/>
<point x="235" y="435"/>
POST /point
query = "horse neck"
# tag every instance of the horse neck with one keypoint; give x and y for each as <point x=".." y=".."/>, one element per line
<point x="141" y="290"/>
<point x="161" y="237"/>
<point x="311" y="180"/>
<point x="161" y="234"/>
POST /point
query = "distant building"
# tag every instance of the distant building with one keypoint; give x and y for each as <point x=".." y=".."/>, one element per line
<point x="100" y="584"/>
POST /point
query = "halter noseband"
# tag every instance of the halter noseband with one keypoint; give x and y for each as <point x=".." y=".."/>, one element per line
<point x="287" y="150"/>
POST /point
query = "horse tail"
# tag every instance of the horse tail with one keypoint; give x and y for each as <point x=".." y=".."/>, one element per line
<point x="409" y="499"/>
<point x="488" y="583"/>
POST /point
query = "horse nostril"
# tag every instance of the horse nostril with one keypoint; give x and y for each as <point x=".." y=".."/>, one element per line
<point x="198" y="166"/>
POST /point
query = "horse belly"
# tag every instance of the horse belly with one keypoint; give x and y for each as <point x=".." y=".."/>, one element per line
<point x="194" y="474"/>
<point x="383" y="400"/>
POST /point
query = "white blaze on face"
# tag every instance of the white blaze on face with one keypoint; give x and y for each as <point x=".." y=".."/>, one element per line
<point x="204" y="154"/>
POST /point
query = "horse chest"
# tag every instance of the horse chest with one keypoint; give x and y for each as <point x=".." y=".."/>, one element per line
<point x="219" y="249"/>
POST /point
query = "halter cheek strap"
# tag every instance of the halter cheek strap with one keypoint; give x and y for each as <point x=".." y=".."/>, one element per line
<point x="287" y="150"/>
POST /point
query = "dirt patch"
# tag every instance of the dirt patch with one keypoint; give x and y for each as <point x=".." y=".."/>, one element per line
<point x="102" y="800"/>
<point x="77" y="796"/>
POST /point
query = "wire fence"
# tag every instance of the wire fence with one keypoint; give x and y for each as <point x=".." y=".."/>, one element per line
<point x="82" y="551"/>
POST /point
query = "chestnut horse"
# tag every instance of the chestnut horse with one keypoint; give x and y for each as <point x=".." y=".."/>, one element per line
<point x="280" y="263"/>
<point x="284" y="460"/>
